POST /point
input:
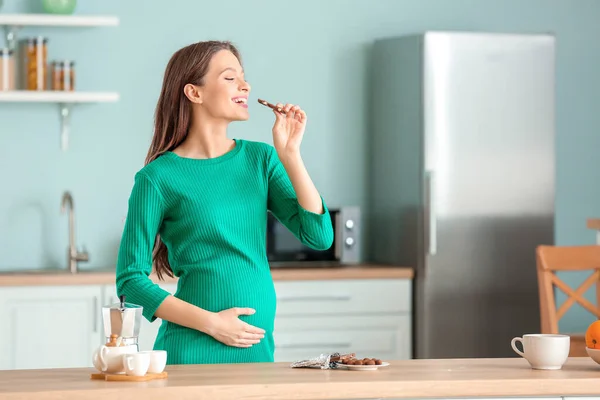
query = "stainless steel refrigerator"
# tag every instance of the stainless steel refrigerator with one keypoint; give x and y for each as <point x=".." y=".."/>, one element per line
<point x="462" y="181"/>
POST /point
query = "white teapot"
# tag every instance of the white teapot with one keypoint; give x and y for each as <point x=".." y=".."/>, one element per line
<point x="109" y="359"/>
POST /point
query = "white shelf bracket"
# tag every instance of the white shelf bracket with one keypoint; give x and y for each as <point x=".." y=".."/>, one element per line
<point x="10" y="32"/>
<point x="65" y="119"/>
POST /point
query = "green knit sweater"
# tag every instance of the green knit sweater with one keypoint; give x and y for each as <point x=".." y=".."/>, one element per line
<point x="212" y="215"/>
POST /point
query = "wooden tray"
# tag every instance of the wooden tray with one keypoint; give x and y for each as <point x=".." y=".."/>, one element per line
<point x="128" y="378"/>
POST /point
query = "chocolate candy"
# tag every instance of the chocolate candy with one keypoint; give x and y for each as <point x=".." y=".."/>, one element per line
<point x="364" y="361"/>
<point x="273" y="106"/>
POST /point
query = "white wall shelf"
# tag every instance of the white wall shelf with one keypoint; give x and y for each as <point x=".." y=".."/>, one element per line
<point x="57" y="20"/>
<point x="12" y="23"/>
<point x="50" y="96"/>
<point x="65" y="101"/>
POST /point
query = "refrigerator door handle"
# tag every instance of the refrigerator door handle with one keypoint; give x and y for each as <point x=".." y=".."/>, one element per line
<point x="431" y="215"/>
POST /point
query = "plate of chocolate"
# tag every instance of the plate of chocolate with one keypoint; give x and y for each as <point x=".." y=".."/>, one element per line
<point x="362" y="364"/>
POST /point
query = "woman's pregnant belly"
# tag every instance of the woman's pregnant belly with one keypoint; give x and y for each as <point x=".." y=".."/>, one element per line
<point x="214" y="292"/>
<point x="216" y="289"/>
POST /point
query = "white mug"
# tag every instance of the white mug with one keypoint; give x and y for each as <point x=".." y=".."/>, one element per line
<point x="543" y="351"/>
<point x="110" y="359"/>
<point x="136" y="364"/>
<point x="158" y="361"/>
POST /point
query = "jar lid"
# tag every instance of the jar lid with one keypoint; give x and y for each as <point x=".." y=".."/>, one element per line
<point x="5" y="51"/>
<point x="122" y="305"/>
<point x="37" y="39"/>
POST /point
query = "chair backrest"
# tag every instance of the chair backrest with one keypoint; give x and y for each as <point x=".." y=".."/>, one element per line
<point x="565" y="258"/>
<point x="593" y="223"/>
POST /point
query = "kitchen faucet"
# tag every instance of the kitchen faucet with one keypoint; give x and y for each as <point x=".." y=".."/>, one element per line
<point x="73" y="256"/>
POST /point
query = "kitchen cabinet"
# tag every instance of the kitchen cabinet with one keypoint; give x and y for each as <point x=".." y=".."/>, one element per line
<point x="370" y="317"/>
<point x="386" y="338"/>
<point x="49" y="327"/>
<point x="39" y="322"/>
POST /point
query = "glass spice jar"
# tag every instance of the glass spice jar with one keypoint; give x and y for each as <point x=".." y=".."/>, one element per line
<point x="68" y="75"/>
<point x="55" y="71"/>
<point x="7" y="70"/>
<point x="63" y="75"/>
<point x="35" y="62"/>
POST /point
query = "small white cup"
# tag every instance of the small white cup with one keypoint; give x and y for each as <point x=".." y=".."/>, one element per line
<point x="543" y="351"/>
<point x="110" y="359"/>
<point x="158" y="361"/>
<point x="136" y="364"/>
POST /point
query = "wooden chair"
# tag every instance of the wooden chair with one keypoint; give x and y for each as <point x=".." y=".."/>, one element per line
<point x="566" y="258"/>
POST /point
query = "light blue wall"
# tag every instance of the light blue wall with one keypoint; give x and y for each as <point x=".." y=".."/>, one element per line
<point x="313" y="53"/>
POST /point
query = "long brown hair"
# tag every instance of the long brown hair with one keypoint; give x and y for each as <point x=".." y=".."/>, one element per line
<point x="173" y="113"/>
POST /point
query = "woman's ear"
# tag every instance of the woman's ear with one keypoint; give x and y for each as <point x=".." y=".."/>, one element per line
<point x="194" y="93"/>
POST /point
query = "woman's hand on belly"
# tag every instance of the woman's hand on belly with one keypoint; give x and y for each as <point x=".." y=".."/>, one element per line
<point x="227" y="328"/>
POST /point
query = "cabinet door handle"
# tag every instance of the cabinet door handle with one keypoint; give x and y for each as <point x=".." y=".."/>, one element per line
<point x="315" y="298"/>
<point x="95" y="314"/>
<point x="431" y="215"/>
<point x="313" y="345"/>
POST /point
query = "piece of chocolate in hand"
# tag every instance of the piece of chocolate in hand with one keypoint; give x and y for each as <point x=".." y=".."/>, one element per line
<point x="272" y="106"/>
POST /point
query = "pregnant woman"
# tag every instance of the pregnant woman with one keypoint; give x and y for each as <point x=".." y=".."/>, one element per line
<point x="198" y="211"/>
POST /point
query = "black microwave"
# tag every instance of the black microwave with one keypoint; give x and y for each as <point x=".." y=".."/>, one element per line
<point x="284" y="249"/>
